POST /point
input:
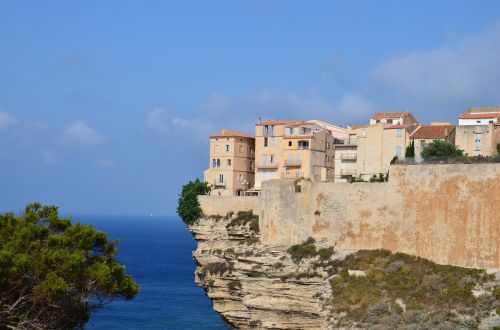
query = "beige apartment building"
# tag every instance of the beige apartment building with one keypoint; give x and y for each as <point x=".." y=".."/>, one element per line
<point x="232" y="163"/>
<point x="478" y="131"/>
<point x="387" y="136"/>
<point x="346" y="155"/>
<point x="293" y="149"/>
<point x="426" y="134"/>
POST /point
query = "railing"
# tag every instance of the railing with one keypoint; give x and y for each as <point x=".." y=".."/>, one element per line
<point x="292" y="175"/>
<point x="349" y="141"/>
<point x="348" y="156"/>
<point x="267" y="165"/>
<point x="293" y="162"/>
<point x="348" y="171"/>
<point x="218" y="183"/>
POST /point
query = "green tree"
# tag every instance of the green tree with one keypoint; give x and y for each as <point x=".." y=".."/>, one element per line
<point x="188" y="207"/>
<point x="53" y="272"/>
<point x="410" y="150"/>
<point x="441" y="149"/>
<point x="498" y="149"/>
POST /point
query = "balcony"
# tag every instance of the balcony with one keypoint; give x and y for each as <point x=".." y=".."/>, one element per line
<point x="218" y="183"/>
<point x="348" y="171"/>
<point x="348" y="156"/>
<point x="293" y="162"/>
<point x="349" y="142"/>
<point x="292" y="175"/>
<point x="267" y="165"/>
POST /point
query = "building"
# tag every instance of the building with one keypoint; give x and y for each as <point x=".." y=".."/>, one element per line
<point x="426" y="134"/>
<point x="232" y="163"/>
<point x="293" y="149"/>
<point x="477" y="140"/>
<point x="478" y="131"/>
<point x="345" y="156"/>
<point x="392" y="118"/>
<point x="480" y="116"/>
<point x="386" y="137"/>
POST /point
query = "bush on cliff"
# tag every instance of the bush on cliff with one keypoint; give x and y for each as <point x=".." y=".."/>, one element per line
<point x="188" y="207"/>
<point x="53" y="272"/>
<point x="441" y="149"/>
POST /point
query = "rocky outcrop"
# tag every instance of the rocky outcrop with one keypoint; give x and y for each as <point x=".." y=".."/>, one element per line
<point x="253" y="285"/>
<point x="269" y="287"/>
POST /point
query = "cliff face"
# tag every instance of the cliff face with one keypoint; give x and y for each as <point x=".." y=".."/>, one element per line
<point x="310" y="286"/>
<point x="253" y="285"/>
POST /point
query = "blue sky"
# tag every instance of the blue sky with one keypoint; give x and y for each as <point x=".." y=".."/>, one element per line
<point x="105" y="106"/>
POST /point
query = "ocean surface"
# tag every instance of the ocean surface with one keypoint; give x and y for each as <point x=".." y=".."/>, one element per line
<point x="157" y="253"/>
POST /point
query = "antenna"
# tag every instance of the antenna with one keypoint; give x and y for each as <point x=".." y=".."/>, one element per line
<point x="260" y="119"/>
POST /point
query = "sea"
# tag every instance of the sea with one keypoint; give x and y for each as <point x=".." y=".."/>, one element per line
<point x="157" y="252"/>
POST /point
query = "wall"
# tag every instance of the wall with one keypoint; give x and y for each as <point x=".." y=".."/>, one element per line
<point x="447" y="213"/>
<point x="466" y="137"/>
<point x="222" y="205"/>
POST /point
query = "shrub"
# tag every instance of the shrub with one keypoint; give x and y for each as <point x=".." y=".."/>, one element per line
<point x="498" y="149"/>
<point x="301" y="251"/>
<point x="325" y="253"/>
<point x="215" y="268"/>
<point x="441" y="149"/>
<point x="188" y="207"/>
<point x="243" y="218"/>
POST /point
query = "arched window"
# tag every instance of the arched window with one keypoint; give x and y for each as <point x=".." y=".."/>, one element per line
<point x="213" y="162"/>
<point x="218" y="162"/>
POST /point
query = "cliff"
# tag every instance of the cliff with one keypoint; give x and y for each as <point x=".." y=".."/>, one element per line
<point x="307" y="255"/>
<point x="312" y="286"/>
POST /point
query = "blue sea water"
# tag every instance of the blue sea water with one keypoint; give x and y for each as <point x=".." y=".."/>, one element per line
<point x="157" y="253"/>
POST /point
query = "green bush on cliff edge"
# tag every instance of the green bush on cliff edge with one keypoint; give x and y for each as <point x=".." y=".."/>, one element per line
<point x="188" y="207"/>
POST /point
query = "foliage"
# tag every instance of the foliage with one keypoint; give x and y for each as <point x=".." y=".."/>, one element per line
<point x="420" y="283"/>
<point x="53" y="272"/>
<point x="215" y="268"/>
<point x="188" y="207"/>
<point x="441" y="149"/>
<point x="380" y="178"/>
<point x="243" y="218"/>
<point x="498" y="149"/>
<point x="357" y="179"/>
<point x="394" y="160"/>
<point x="410" y="150"/>
<point x="300" y="251"/>
<point x="234" y="285"/>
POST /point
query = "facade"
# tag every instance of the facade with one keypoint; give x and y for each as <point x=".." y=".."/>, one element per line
<point x="480" y="116"/>
<point x="346" y="155"/>
<point x="292" y="149"/>
<point x="426" y="134"/>
<point x="477" y="140"/>
<point x="392" y="118"/>
<point x="232" y="163"/>
<point x="387" y="136"/>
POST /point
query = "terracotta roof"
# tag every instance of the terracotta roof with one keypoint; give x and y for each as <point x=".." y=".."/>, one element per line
<point x="280" y="122"/>
<point x="382" y="115"/>
<point x="484" y="115"/>
<point x="433" y="132"/>
<point x="398" y="126"/>
<point x="230" y="133"/>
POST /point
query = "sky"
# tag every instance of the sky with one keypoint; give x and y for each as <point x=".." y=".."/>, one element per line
<point x="106" y="106"/>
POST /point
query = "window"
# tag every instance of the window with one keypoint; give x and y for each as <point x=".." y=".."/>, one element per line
<point x="241" y="148"/>
<point x="478" y="122"/>
<point x="399" y="132"/>
<point x="221" y="178"/>
<point x="268" y="130"/>
<point x="389" y="121"/>
<point x="218" y="162"/>
<point x="289" y="143"/>
<point x="251" y="165"/>
<point x="422" y="144"/>
<point x="214" y="163"/>
<point x="272" y="159"/>
<point x="477" y="141"/>
<point x="398" y="151"/>
<point x="303" y="144"/>
<point x="328" y="145"/>
<point x="227" y="147"/>
<point x="273" y="142"/>
<point x="229" y="162"/>
<point x="265" y="142"/>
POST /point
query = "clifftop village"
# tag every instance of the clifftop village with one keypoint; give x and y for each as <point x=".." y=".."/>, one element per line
<point x="321" y="151"/>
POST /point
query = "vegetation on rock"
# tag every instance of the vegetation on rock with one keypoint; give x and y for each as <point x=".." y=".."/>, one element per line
<point x="188" y="207"/>
<point x="243" y="218"/>
<point x="392" y="281"/>
<point x="53" y="272"/>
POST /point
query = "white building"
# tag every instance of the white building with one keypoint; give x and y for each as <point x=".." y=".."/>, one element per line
<point x="480" y="116"/>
